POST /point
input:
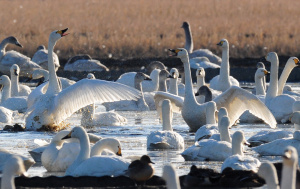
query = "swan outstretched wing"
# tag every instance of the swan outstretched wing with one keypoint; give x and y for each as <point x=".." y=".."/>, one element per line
<point x="87" y="91"/>
<point x="237" y="100"/>
<point x="176" y="101"/>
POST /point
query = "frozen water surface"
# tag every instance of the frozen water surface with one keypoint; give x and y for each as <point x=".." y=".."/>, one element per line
<point x="133" y="137"/>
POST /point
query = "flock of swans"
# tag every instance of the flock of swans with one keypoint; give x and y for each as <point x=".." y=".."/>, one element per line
<point x="218" y="106"/>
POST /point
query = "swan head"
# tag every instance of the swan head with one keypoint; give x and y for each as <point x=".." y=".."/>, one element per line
<point x="14" y="70"/>
<point x="38" y="73"/>
<point x="146" y="159"/>
<point x="91" y="76"/>
<point x="185" y="25"/>
<point x="296" y="106"/>
<point x="179" y="52"/>
<point x="4" y="80"/>
<point x="290" y="156"/>
<point x="57" y="34"/>
<point x="76" y="132"/>
<point x="41" y="47"/>
<point x="239" y="137"/>
<point x="59" y="136"/>
<point x="261" y="72"/>
<point x="260" y="65"/>
<point x="268" y="171"/>
<point x="222" y="112"/>
<point x="14" y="41"/>
<point x="271" y="57"/>
<point x="164" y="74"/>
<point x="293" y="61"/>
<point x="15" y="166"/>
<point x="200" y="72"/>
<point x="223" y="43"/>
<point x="203" y="90"/>
<point x="139" y="77"/>
<point x="174" y="73"/>
<point x="288" y="88"/>
<point x="155" y="65"/>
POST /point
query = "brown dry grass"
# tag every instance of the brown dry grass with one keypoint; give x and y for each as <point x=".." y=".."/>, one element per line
<point x="141" y="28"/>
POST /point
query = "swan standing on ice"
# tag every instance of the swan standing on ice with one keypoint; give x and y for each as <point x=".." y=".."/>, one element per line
<point x="13" y="103"/>
<point x="224" y="81"/>
<point x="189" y="46"/>
<point x="167" y="138"/>
<point x="53" y="107"/>
<point x="13" y="166"/>
<point x="279" y="105"/>
<point x="41" y="58"/>
<point x="7" y="59"/>
<point x="235" y="100"/>
<point x="238" y="161"/>
<point x="16" y="88"/>
<point x="84" y="63"/>
<point x="84" y="165"/>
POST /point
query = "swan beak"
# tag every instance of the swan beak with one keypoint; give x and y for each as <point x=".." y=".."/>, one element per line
<point x="119" y="153"/>
<point x="170" y="76"/>
<point x="1" y="87"/>
<point x="246" y="143"/>
<point x="174" y="51"/>
<point x="266" y="72"/>
<point x="18" y="44"/>
<point x="25" y="174"/>
<point x="296" y="60"/>
<point x="15" y="72"/>
<point x="197" y="94"/>
<point x="287" y="154"/>
<point x="63" y="32"/>
<point x="68" y="136"/>
<point x="220" y="43"/>
<point x="148" y="78"/>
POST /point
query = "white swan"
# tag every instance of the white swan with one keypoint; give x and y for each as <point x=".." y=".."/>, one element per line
<point x="6" y="115"/>
<point x="199" y="52"/>
<point x="6" y="155"/>
<point x="238" y="161"/>
<point x="17" y="89"/>
<point x="268" y="136"/>
<point x="290" y="165"/>
<point x="84" y="63"/>
<point x="84" y="165"/>
<point x="147" y="86"/>
<point x="275" y="148"/>
<point x="202" y="62"/>
<point x="7" y="59"/>
<point x="209" y="149"/>
<point x="175" y="87"/>
<point x="235" y="100"/>
<point x="295" y="119"/>
<point x="55" y="105"/>
<point x="289" y="66"/>
<point x="223" y="81"/>
<point x="39" y="73"/>
<point x="167" y="138"/>
<point x="268" y="172"/>
<point x="279" y="105"/>
<point x="13" y="166"/>
<point x="261" y="65"/>
<point x="13" y="103"/>
<point x="144" y="103"/>
<point x="171" y="178"/>
<point x="259" y="81"/>
<point x="41" y="58"/>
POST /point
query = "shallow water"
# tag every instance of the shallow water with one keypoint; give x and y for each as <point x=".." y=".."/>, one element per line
<point x="133" y="138"/>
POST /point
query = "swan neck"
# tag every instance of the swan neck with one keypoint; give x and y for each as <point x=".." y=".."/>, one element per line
<point x="84" y="148"/>
<point x="137" y="85"/>
<point x="200" y="82"/>
<point x="167" y="116"/>
<point x="288" y="176"/>
<point x="162" y="85"/>
<point x="45" y="73"/>
<point x="6" y="92"/>
<point x="173" y="86"/>
<point x="210" y="116"/>
<point x="273" y="87"/>
<point x="189" y="93"/>
<point x="7" y="180"/>
<point x="237" y="148"/>
<point x="3" y="45"/>
<point x="224" y="69"/>
<point x="100" y="146"/>
<point x="283" y="77"/>
<point x="189" y="46"/>
<point x="224" y="133"/>
<point x="259" y="86"/>
<point x="53" y="87"/>
<point x="14" y="85"/>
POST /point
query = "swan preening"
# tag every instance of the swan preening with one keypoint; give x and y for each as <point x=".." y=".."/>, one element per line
<point x="51" y="108"/>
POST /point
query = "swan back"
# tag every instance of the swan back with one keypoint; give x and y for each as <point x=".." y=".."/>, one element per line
<point x="167" y="115"/>
<point x="111" y="144"/>
<point x="13" y="166"/>
<point x="170" y="176"/>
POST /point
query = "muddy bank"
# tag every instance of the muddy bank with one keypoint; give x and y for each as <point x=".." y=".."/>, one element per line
<point x="241" y="69"/>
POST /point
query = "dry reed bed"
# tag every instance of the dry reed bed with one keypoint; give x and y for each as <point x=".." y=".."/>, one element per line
<point x="140" y="28"/>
